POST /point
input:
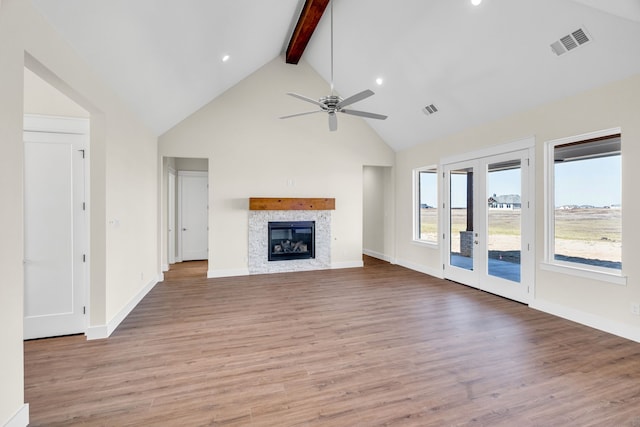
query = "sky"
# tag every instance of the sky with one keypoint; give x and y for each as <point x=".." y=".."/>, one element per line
<point x="594" y="182"/>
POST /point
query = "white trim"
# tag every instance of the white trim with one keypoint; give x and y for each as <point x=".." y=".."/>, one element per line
<point x="521" y="144"/>
<point x="165" y="267"/>
<point x="347" y="264"/>
<point x="584" y="136"/>
<point x="376" y="254"/>
<point x="586" y="273"/>
<point x="193" y="173"/>
<point x="420" y="268"/>
<point x="97" y="332"/>
<point x="56" y="124"/>
<point x="105" y="331"/>
<point x="20" y="418"/>
<point x="588" y="319"/>
<point x="216" y="274"/>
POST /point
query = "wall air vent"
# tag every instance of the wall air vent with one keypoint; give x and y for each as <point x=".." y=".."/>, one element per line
<point x="571" y="41"/>
<point x="430" y="109"/>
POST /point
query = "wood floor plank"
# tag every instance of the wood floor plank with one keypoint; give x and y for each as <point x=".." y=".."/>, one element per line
<point x="379" y="345"/>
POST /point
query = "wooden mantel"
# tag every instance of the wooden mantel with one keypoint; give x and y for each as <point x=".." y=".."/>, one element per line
<point x="291" y="204"/>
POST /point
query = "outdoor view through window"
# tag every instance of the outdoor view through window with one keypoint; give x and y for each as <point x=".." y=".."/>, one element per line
<point x="427" y="226"/>
<point x="587" y="213"/>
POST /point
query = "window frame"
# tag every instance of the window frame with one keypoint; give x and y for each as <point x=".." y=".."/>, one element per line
<point x="416" y="229"/>
<point x="549" y="263"/>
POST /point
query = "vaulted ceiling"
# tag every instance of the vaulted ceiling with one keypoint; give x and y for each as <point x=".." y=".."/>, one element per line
<point x="474" y="63"/>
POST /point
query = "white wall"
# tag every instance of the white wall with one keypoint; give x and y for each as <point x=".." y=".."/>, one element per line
<point x="42" y="98"/>
<point x="123" y="173"/>
<point x="252" y="153"/>
<point x="600" y="304"/>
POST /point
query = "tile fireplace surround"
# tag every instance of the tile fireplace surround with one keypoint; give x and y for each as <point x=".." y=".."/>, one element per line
<point x="262" y="211"/>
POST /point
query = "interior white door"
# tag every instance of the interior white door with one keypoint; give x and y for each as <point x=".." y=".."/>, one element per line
<point x="55" y="234"/>
<point x="193" y="213"/>
<point x="488" y="224"/>
<point x="171" y="218"/>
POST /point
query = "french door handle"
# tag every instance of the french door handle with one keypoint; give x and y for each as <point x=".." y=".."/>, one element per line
<point x="184" y="229"/>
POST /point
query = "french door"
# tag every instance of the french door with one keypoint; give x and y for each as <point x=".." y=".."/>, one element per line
<point x="488" y="224"/>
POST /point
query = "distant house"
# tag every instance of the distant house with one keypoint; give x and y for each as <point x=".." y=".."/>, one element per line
<point x="507" y="202"/>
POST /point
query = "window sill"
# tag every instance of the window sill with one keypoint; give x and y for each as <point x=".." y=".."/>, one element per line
<point x="616" y="279"/>
<point x="424" y="243"/>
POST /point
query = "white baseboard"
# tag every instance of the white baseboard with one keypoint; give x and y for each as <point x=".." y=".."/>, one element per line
<point x="104" y="331"/>
<point x="420" y="268"/>
<point x="20" y="419"/>
<point x="347" y="264"/>
<point x="377" y="255"/>
<point x="587" y="319"/>
<point x="97" y="332"/>
<point x="165" y="267"/>
<point x="215" y="274"/>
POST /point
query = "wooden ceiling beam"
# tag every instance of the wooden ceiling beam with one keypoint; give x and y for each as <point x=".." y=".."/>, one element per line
<point x="307" y="23"/>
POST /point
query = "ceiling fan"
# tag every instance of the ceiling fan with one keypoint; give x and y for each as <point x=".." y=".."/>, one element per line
<point x="333" y="103"/>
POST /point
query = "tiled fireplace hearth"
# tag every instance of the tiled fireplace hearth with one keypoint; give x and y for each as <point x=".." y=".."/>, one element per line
<point x="273" y="210"/>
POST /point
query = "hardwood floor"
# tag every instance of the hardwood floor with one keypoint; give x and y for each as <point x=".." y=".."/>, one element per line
<point x="379" y="345"/>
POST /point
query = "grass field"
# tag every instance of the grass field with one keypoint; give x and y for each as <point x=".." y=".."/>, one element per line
<point x="593" y="234"/>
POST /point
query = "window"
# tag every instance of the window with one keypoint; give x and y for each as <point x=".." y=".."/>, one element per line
<point x="426" y="205"/>
<point x="584" y="207"/>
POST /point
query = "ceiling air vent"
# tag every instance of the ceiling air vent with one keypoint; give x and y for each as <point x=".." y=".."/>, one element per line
<point x="430" y="109"/>
<point x="571" y="41"/>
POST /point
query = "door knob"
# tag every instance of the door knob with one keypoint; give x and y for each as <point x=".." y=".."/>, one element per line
<point x="475" y="241"/>
<point x="184" y="229"/>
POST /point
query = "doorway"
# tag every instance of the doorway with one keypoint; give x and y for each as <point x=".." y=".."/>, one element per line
<point x="488" y="223"/>
<point x="377" y="212"/>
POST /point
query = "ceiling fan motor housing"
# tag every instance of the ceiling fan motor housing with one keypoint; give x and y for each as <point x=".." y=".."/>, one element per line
<point x="331" y="102"/>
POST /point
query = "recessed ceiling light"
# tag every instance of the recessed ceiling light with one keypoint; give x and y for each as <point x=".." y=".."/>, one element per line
<point x="379" y="81"/>
<point x="476" y="2"/>
<point x="225" y="58"/>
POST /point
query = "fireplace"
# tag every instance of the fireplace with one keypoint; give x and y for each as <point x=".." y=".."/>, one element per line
<point x="316" y="212"/>
<point x="289" y="240"/>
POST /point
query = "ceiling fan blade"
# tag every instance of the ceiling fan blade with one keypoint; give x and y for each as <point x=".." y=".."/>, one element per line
<point x="355" y="98"/>
<point x="333" y="122"/>
<point x="364" y="114"/>
<point x="301" y="114"/>
<point x="304" y="98"/>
